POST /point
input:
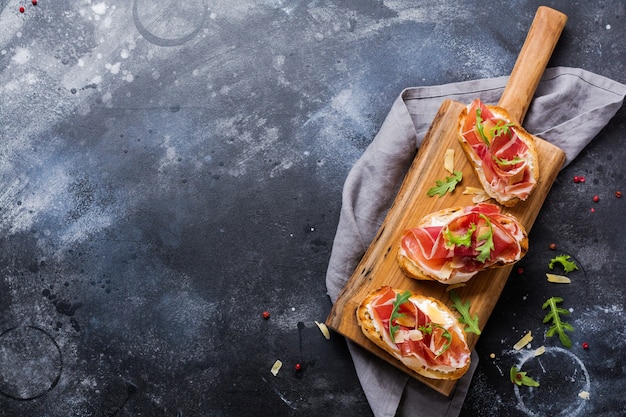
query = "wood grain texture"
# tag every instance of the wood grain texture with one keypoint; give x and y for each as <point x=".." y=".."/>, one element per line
<point x="379" y="266"/>
<point x="543" y="35"/>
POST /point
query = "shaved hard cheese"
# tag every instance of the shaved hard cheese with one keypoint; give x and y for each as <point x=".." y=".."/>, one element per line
<point x="404" y="335"/>
<point x="473" y="190"/>
<point x="454" y="286"/>
<point x="540" y="350"/>
<point x="479" y="198"/>
<point x="528" y="337"/>
<point x="415" y="335"/>
<point x="584" y="395"/>
<point x="432" y="310"/>
<point x="448" y="162"/>
<point x="558" y="279"/>
<point x="323" y="329"/>
<point x="276" y="367"/>
<point x="480" y="195"/>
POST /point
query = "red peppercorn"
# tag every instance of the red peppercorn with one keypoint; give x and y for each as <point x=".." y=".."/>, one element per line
<point x="22" y="9"/>
<point x="596" y="198"/>
<point x="34" y="2"/>
<point x="518" y="375"/>
<point x="576" y="179"/>
<point x="266" y="314"/>
<point x="585" y="345"/>
<point x="581" y="178"/>
<point x="618" y="194"/>
<point x="520" y="270"/>
<point x="552" y="246"/>
<point x="593" y="210"/>
<point x="298" y="367"/>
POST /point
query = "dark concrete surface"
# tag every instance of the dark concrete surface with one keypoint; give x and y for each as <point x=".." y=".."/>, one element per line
<point x="170" y="170"/>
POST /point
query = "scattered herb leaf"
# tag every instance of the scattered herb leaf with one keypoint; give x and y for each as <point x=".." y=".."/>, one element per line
<point x="401" y="298"/>
<point x="567" y="264"/>
<point x="504" y="162"/>
<point x="558" y="326"/>
<point x="452" y="240"/>
<point x="428" y="329"/>
<point x="487" y="246"/>
<point x="466" y="318"/>
<point x="521" y="378"/>
<point x="500" y="128"/>
<point x="447" y="185"/>
<point x="479" y="125"/>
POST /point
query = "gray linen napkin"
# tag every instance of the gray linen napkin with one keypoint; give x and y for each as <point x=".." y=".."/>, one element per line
<point x="569" y="109"/>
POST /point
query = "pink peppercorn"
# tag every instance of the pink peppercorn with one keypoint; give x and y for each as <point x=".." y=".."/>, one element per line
<point x="596" y="198"/>
<point x="585" y="345"/>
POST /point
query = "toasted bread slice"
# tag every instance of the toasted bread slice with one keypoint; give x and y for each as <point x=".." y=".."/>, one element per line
<point x="507" y="191"/>
<point x="456" y="269"/>
<point x="452" y="363"/>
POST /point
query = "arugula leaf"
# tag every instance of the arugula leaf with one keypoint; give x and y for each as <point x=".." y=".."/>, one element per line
<point x="558" y="326"/>
<point x="428" y="329"/>
<point x="466" y="318"/>
<point x="521" y="378"/>
<point x="401" y="298"/>
<point x="486" y="248"/>
<point x="451" y="240"/>
<point x="448" y="185"/>
<point x="479" y="125"/>
<point x="503" y="162"/>
<point x="566" y="263"/>
<point x="500" y="128"/>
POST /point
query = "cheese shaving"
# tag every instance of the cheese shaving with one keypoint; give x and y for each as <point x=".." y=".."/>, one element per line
<point x="473" y="190"/>
<point x="415" y="335"/>
<point x="276" y="367"/>
<point x="558" y="279"/>
<point x="454" y="286"/>
<point x="540" y="350"/>
<point x="448" y="162"/>
<point x="528" y="337"/>
<point x="446" y="271"/>
<point x="324" y="329"/>
<point x="400" y="336"/>
<point x="479" y="194"/>
<point x="584" y="395"/>
<point x="479" y="198"/>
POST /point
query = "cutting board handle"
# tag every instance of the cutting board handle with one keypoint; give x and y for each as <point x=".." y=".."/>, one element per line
<point x="533" y="59"/>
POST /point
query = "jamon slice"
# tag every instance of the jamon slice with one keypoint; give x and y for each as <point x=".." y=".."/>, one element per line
<point x="421" y="332"/>
<point x="501" y="152"/>
<point x="454" y="244"/>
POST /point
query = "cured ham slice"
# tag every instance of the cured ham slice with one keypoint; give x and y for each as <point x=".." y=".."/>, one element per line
<point x="454" y="244"/>
<point x="421" y="332"/>
<point x="501" y="152"/>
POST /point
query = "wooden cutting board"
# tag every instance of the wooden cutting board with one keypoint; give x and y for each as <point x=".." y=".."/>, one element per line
<point x="379" y="266"/>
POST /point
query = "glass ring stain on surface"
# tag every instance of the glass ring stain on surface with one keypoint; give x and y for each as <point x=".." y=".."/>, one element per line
<point x="30" y="362"/>
<point x="151" y="37"/>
